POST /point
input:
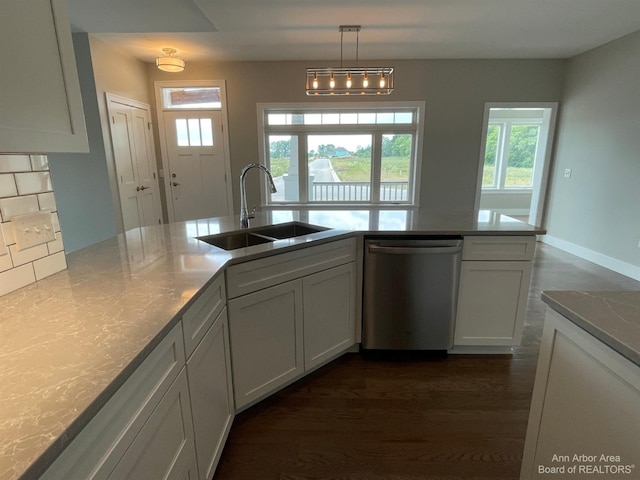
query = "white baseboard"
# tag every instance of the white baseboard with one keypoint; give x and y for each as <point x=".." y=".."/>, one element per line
<point x="605" y="261"/>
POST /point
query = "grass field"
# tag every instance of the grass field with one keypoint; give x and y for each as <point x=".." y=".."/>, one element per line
<point x="516" y="177"/>
<point x="355" y="169"/>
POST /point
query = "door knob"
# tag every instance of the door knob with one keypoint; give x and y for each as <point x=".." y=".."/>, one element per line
<point x="175" y="184"/>
<point x="141" y="188"/>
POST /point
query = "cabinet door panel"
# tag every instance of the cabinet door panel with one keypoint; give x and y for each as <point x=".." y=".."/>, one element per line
<point x="210" y="389"/>
<point x="41" y="108"/>
<point x="266" y="340"/>
<point x="492" y="303"/>
<point x="329" y="313"/>
<point x="165" y="444"/>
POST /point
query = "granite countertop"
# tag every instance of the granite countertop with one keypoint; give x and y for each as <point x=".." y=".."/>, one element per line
<point x="612" y="317"/>
<point x="70" y="340"/>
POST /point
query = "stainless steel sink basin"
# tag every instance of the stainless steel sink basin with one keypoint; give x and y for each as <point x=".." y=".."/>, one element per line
<point x="235" y="240"/>
<point x="288" y="230"/>
<point x="260" y="235"/>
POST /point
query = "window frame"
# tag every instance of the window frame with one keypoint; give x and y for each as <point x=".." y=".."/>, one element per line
<point x="416" y="129"/>
<point x="502" y="152"/>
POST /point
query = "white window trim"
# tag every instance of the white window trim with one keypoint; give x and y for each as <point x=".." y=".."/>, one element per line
<point x="418" y="107"/>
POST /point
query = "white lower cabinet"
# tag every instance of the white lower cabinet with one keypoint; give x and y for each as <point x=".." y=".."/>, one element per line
<point x="266" y="340"/>
<point x="291" y="313"/>
<point x="585" y="408"/>
<point x="163" y="449"/>
<point x="494" y="286"/>
<point x="211" y="392"/>
<point x="329" y="313"/>
<point x="99" y="447"/>
<point x="492" y="303"/>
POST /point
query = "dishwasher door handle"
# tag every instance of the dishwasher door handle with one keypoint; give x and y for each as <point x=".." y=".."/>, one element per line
<point x="413" y="250"/>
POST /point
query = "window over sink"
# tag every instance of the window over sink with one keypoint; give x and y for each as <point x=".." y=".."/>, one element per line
<point x="345" y="153"/>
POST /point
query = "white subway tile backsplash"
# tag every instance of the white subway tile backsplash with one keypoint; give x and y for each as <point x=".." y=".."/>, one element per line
<point x="47" y="201"/>
<point x="33" y="182"/>
<point x="39" y="162"/>
<point x="25" y="187"/>
<point x="13" y="206"/>
<point x="16" y="278"/>
<point x="56" y="245"/>
<point x="49" y="265"/>
<point x="5" y="263"/>
<point x="7" y="185"/>
<point x="15" y="163"/>
<point x="27" y="255"/>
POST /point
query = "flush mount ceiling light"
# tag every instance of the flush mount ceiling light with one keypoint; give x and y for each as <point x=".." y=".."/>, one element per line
<point x="169" y="63"/>
<point x="349" y="80"/>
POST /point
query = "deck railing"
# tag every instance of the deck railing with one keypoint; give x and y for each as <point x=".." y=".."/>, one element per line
<point x="357" y="191"/>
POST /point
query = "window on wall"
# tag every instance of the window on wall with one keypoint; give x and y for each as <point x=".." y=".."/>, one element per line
<point x="511" y="149"/>
<point x="351" y="154"/>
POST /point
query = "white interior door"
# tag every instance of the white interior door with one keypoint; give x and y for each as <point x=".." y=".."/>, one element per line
<point x="196" y="161"/>
<point x="132" y="143"/>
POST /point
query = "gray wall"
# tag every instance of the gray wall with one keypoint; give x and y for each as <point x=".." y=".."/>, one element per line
<point x="598" y="208"/>
<point x="455" y="92"/>
<point x="81" y="182"/>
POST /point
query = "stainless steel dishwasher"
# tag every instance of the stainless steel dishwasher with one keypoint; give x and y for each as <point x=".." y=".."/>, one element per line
<point x="410" y="292"/>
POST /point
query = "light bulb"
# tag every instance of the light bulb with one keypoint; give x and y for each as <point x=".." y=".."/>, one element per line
<point x="315" y="81"/>
<point x="382" y="82"/>
<point x="365" y="81"/>
<point x="332" y="81"/>
<point x="349" y="80"/>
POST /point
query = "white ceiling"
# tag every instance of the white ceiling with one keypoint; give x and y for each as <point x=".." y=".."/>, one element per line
<point x="402" y="29"/>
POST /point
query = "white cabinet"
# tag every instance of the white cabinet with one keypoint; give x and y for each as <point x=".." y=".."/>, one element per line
<point x="329" y="313"/>
<point x="586" y="402"/>
<point x="494" y="285"/>
<point x="98" y="448"/>
<point x="164" y="446"/>
<point x="266" y="340"/>
<point x="41" y="107"/>
<point x="291" y="313"/>
<point x="211" y="393"/>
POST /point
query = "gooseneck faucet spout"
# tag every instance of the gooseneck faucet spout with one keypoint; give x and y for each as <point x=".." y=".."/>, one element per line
<point x="244" y="211"/>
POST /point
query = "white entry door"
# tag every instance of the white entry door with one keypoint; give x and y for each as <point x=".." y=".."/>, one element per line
<point x="196" y="161"/>
<point x="136" y="171"/>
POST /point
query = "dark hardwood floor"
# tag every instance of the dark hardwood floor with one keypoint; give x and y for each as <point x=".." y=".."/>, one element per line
<point x="406" y="418"/>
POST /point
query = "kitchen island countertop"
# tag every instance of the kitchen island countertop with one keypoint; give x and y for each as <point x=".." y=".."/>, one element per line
<point x="70" y="340"/>
<point x="613" y="317"/>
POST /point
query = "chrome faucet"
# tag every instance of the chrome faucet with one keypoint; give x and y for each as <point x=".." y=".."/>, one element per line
<point x="244" y="212"/>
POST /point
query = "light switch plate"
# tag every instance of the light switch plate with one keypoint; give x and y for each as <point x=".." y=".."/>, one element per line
<point x="33" y="229"/>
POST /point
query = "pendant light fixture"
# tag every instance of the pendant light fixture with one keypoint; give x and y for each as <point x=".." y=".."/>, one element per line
<point x="169" y="63"/>
<point x="349" y="80"/>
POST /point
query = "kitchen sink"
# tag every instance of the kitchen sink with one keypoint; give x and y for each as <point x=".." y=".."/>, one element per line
<point x="260" y="235"/>
<point x="235" y="240"/>
<point x="288" y="230"/>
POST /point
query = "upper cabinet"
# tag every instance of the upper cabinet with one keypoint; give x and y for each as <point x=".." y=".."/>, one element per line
<point x="40" y="102"/>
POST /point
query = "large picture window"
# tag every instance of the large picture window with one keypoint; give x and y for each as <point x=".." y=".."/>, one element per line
<point x="346" y="154"/>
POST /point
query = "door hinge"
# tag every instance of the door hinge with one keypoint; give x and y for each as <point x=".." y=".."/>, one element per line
<point x="149" y="125"/>
<point x="154" y="175"/>
<point x="113" y="119"/>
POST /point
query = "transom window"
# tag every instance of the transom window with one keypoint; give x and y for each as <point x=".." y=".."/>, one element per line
<point x="342" y="154"/>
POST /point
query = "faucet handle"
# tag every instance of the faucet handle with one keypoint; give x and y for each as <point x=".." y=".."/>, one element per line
<point x="253" y="212"/>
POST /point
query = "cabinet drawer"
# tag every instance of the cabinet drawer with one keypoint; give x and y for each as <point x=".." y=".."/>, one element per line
<point x="98" y="448"/>
<point x="498" y="248"/>
<point x="259" y="274"/>
<point x="197" y="320"/>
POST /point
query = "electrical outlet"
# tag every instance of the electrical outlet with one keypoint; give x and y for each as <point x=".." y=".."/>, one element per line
<point x="567" y="173"/>
<point x="33" y="229"/>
